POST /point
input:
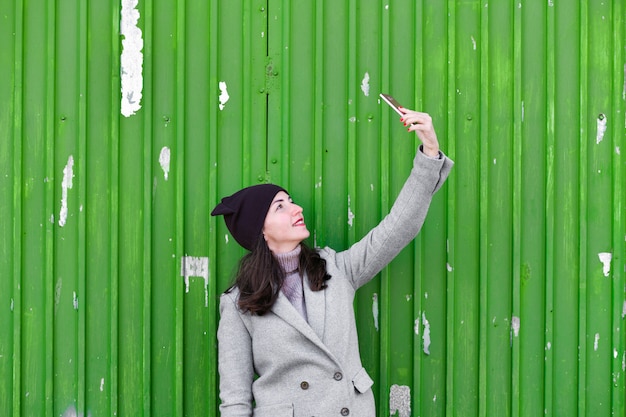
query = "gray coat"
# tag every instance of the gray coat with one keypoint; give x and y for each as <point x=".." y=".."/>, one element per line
<point x="314" y="369"/>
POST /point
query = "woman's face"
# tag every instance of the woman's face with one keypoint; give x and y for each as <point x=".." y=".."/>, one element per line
<point x="284" y="226"/>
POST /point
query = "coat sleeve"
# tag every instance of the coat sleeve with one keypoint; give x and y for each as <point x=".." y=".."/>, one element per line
<point x="373" y="252"/>
<point x="235" y="364"/>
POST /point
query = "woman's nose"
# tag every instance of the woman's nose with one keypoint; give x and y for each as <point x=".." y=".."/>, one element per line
<point x="296" y="209"/>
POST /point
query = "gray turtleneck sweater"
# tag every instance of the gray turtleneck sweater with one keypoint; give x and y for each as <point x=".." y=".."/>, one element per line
<point x="292" y="285"/>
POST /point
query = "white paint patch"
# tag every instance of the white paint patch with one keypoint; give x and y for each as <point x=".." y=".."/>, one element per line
<point x="549" y="346"/>
<point x="416" y="326"/>
<point x="596" y="342"/>
<point x="449" y="267"/>
<point x="224" y="97"/>
<point x="68" y="174"/>
<point x="624" y="310"/>
<point x="75" y="300"/>
<point x="426" y="336"/>
<point x="226" y="238"/>
<point x="365" y="84"/>
<point x="617" y="150"/>
<point x="473" y="42"/>
<point x="375" y="310"/>
<point x="615" y="353"/>
<point x="515" y="325"/>
<point x="400" y="400"/>
<point x="131" y="60"/>
<point x="605" y="258"/>
<point x="102" y="385"/>
<point x="12" y="304"/>
<point x="191" y="266"/>
<point x="350" y="213"/>
<point x="164" y="161"/>
<point x="57" y="294"/>
<point x="71" y="412"/>
<point x="601" y="127"/>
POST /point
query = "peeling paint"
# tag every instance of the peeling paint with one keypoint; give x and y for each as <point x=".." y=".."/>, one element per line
<point x="72" y="412"/>
<point x="131" y="60"/>
<point x="615" y="353"/>
<point x="416" y="326"/>
<point x="515" y="325"/>
<point x="426" y="336"/>
<point x="624" y="310"/>
<point x="350" y="213"/>
<point x="164" y="161"/>
<point x="617" y="150"/>
<point x="224" y="97"/>
<point x="57" y="294"/>
<point x="605" y="258"/>
<point x="596" y="342"/>
<point x="449" y="267"/>
<point x="601" y="128"/>
<point x="191" y="266"/>
<point x="12" y="304"/>
<point x="365" y="84"/>
<point x="226" y="238"/>
<point x="375" y="309"/>
<point x="400" y="400"/>
<point x="68" y="174"/>
<point x="548" y="346"/>
<point x="75" y="300"/>
<point x="473" y="42"/>
<point x="102" y="385"/>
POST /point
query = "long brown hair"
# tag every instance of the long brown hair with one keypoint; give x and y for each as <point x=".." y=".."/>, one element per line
<point x="260" y="276"/>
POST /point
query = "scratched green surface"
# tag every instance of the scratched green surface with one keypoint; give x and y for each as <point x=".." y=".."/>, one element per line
<point x="501" y="307"/>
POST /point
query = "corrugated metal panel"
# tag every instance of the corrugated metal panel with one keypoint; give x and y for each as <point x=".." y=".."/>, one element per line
<point x="509" y="303"/>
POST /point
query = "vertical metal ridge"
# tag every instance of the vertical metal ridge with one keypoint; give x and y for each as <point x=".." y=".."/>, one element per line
<point x="114" y="167"/>
<point x="49" y="240"/>
<point x="582" y="202"/>
<point x="179" y="205"/>
<point x="483" y="225"/>
<point x="147" y="119"/>
<point x="618" y="271"/>
<point x="516" y="196"/>
<point x="451" y="197"/>
<point x="383" y="296"/>
<point x="83" y="159"/>
<point x="550" y="208"/>
<point x="212" y="195"/>
<point x="318" y="123"/>
<point x="17" y="202"/>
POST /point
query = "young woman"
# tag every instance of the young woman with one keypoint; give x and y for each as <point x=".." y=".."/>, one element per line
<point x="287" y="339"/>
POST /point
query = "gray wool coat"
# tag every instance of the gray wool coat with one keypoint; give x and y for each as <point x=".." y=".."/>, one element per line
<point x="278" y="365"/>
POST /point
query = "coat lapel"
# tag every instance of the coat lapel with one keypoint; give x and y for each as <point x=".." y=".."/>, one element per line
<point x="315" y="308"/>
<point x="315" y="302"/>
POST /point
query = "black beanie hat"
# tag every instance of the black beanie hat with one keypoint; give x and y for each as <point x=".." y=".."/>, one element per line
<point x="244" y="212"/>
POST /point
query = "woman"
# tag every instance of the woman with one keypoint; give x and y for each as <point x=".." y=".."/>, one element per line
<point x="287" y="339"/>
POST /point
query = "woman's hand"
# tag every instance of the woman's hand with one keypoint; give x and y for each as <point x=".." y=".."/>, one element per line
<point x="422" y="125"/>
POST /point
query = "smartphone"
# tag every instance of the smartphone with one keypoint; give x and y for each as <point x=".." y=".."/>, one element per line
<point x="392" y="102"/>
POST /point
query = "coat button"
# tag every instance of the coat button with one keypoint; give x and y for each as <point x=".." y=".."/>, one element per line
<point x="345" y="411"/>
<point x="304" y="385"/>
<point x="338" y="376"/>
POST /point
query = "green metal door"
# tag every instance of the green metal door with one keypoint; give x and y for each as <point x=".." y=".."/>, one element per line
<point x="123" y="122"/>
